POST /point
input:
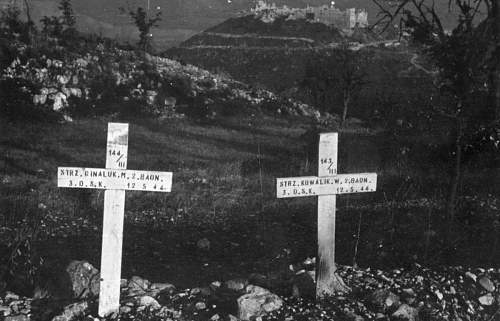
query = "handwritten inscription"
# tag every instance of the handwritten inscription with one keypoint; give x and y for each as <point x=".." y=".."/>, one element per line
<point x="117" y="147"/>
<point x="78" y="177"/>
<point x="338" y="184"/>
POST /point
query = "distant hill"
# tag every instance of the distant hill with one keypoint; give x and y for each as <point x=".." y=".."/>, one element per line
<point x="180" y="19"/>
<point x="249" y="31"/>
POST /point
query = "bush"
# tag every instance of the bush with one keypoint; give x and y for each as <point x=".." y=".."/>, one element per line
<point x="19" y="261"/>
<point x="16" y="102"/>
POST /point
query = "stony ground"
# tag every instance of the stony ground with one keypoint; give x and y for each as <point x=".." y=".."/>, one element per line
<point x="412" y="294"/>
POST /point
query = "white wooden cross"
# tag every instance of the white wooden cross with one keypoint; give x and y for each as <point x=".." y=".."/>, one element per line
<point x="326" y="185"/>
<point x="114" y="179"/>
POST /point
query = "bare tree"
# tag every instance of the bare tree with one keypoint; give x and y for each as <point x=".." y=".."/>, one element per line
<point x="352" y="76"/>
<point x="340" y="75"/>
<point x="468" y="60"/>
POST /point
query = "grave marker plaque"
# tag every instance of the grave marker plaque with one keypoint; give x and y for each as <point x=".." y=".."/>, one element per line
<point x="114" y="179"/>
<point x="326" y="186"/>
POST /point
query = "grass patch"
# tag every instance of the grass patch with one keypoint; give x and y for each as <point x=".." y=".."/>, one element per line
<point x="224" y="190"/>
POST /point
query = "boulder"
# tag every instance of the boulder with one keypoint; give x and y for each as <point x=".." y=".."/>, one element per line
<point x="384" y="300"/>
<point x="148" y="302"/>
<point x="406" y="313"/>
<point x="137" y="286"/>
<point x="486" y="299"/>
<point x="84" y="279"/>
<point x="125" y="309"/>
<point x="73" y="311"/>
<point x="257" y="302"/>
<point x="486" y="284"/>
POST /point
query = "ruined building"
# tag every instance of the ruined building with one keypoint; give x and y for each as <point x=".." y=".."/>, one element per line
<point x="328" y="15"/>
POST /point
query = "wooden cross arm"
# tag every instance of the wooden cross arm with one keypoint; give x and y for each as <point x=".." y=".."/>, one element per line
<point x="114" y="179"/>
<point x="327" y="185"/>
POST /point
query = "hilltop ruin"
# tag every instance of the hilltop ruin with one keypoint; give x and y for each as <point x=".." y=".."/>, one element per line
<point x="328" y="15"/>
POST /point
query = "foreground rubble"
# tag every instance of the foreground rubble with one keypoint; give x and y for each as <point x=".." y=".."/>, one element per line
<point x="418" y="293"/>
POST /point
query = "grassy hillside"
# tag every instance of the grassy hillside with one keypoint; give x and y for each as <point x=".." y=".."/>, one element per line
<point x="391" y="80"/>
<point x="223" y="190"/>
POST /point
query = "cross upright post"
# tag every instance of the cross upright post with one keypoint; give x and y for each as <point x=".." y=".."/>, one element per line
<point x="114" y="179"/>
<point x="326" y="186"/>
<point x="112" y="226"/>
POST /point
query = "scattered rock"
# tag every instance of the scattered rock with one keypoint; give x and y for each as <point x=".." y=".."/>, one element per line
<point x="137" y="286"/>
<point x="215" y="285"/>
<point x="20" y="317"/>
<point x="73" y="311"/>
<point x="169" y="313"/>
<point x="439" y="295"/>
<point x="487" y="299"/>
<point x="406" y="313"/>
<point x="60" y="101"/>
<point x="383" y="300"/>
<point x="15" y="306"/>
<point x="237" y="285"/>
<point x="84" y="279"/>
<point x="354" y="317"/>
<point x="163" y="287"/>
<point x="4" y="310"/>
<point x="9" y="296"/>
<point x="257" y="303"/>
<point x="125" y="309"/>
<point x="471" y="276"/>
<point x="200" y="306"/>
<point x="148" y="302"/>
<point x="486" y="283"/>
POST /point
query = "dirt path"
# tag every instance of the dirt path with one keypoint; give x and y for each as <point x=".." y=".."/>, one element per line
<point x="230" y="35"/>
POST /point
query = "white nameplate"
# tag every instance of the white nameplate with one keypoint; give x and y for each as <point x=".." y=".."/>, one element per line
<point x="328" y="185"/>
<point x="117" y="179"/>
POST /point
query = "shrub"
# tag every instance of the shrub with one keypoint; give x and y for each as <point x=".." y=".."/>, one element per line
<point x="16" y="102"/>
<point x="19" y="262"/>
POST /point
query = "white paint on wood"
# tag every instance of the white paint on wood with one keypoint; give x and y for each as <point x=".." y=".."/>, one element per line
<point x="114" y="179"/>
<point x="102" y="178"/>
<point x="112" y="230"/>
<point x="111" y="252"/>
<point x="328" y="185"/>
<point x="117" y="146"/>
<point x="327" y="166"/>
